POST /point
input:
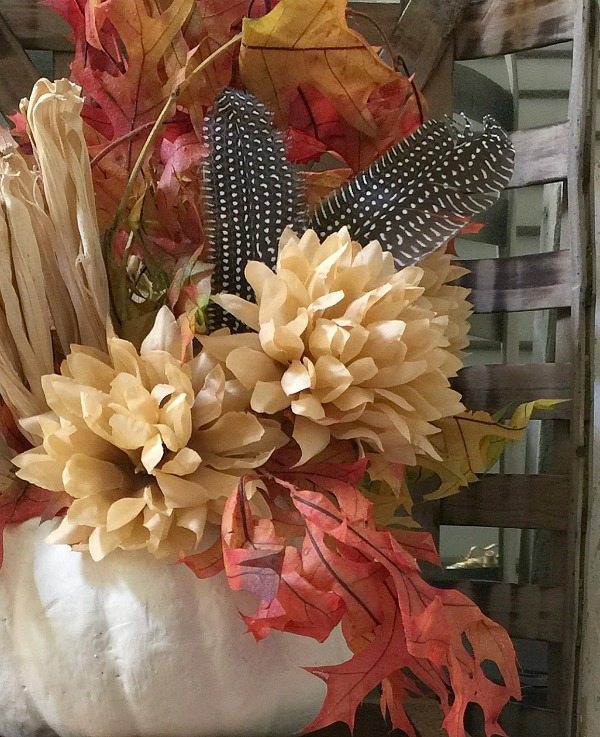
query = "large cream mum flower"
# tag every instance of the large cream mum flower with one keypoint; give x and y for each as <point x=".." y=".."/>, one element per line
<point x="445" y="297"/>
<point x="351" y="346"/>
<point x="148" y="445"/>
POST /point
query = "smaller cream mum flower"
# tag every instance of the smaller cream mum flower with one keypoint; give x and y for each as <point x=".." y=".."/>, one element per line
<point x="149" y="445"/>
<point x="354" y="349"/>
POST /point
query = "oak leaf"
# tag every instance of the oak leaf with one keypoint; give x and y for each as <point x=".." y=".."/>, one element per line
<point x="207" y="563"/>
<point x="395" y="109"/>
<point x="137" y="94"/>
<point x="469" y="444"/>
<point x="440" y="635"/>
<point x="257" y="560"/>
<point x="298" y="44"/>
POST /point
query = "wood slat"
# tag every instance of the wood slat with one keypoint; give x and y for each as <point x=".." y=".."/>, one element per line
<point x="541" y="155"/>
<point x="524" y="502"/>
<point x="518" y="283"/>
<point x="18" y="73"/>
<point x="520" y="720"/>
<point x="526" y="611"/>
<point x="369" y="723"/>
<point x="494" y="27"/>
<point x="419" y="31"/>
<point x="494" y="387"/>
<point x="35" y="26"/>
<point x="476" y="96"/>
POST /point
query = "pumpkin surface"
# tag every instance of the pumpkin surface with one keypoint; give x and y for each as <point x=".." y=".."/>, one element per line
<point x="132" y="647"/>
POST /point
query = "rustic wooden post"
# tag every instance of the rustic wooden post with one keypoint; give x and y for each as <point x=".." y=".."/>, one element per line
<point x="18" y="73"/>
<point x="587" y="689"/>
<point x="588" y="696"/>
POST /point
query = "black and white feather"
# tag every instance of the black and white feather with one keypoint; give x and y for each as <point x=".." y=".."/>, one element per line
<point x="251" y="194"/>
<point x="419" y="194"/>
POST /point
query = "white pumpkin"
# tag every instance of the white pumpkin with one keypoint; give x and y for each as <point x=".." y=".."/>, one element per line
<point x="132" y="647"/>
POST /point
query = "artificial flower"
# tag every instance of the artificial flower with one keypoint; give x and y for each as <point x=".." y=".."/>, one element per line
<point x="445" y="297"/>
<point x="148" y="445"/>
<point x="357" y="351"/>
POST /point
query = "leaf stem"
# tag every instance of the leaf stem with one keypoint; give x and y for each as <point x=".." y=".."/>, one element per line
<point x="395" y="55"/>
<point x="164" y="114"/>
<point x="118" y="141"/>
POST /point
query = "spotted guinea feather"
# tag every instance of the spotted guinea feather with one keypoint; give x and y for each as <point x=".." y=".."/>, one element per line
<point x="423" y="191"/>
<point x="251" y="193"/>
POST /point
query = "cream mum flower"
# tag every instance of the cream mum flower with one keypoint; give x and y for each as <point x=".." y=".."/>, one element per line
<point x="354" y="349"/>
<point x="149" y="445"/>
<point x="446" y="298"/>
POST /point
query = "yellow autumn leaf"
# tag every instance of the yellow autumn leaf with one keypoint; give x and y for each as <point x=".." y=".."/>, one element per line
<point x="388" y="505"/>
<point x="300" y="43"/>
<point x="492" y="446"/>
<point x="471" y="443"/>
<point x="320" y="184"/>
<point x="385" y="487"/>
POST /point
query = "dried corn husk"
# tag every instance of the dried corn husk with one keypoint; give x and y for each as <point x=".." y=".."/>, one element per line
<point x="56" y="129"/>
<point x="53" y="276"/>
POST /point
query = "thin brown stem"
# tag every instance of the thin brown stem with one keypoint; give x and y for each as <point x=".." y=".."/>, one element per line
<point x="121" y="139"/>
<point x="393" y="55"/>
<point x="164" y="114"/>
<point x="379" y="29"/>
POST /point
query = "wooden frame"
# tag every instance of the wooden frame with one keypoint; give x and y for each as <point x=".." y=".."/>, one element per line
<point x="565" y="499"/>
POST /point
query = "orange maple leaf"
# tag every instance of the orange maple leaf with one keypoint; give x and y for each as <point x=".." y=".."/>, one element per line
<point x="301" y="43"/>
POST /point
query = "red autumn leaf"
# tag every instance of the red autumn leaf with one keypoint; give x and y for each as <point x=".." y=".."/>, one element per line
<point x="301" y="147"/>
<point x="337" y="463"/>
<point x="207" y="563"/>
<point x="405" y="634"/>
<point x="98" y="46"/>
<point x="136" y="94"/>
<point x="299" y="607"/>
<point x="393" y="108"/>
<point x="31" y="503"/>
<point x="181" y="159"/>
<point x="252" y="554"/>
<point x="357" y="582"/>
<point x="257" y="561"/>
<point x="435" y="634"/>
<point x="419" y="544"/>
<point x="437" y="649"/>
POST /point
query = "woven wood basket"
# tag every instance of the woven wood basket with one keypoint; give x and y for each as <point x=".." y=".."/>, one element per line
<point x="560" y="500"/>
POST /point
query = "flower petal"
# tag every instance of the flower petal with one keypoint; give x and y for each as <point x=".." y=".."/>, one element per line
<point x="311" y="438"/>
<point x="123" y="511"/>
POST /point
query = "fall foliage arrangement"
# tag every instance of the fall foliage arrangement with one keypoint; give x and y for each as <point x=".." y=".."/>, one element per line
<point x="227" y="304"/>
